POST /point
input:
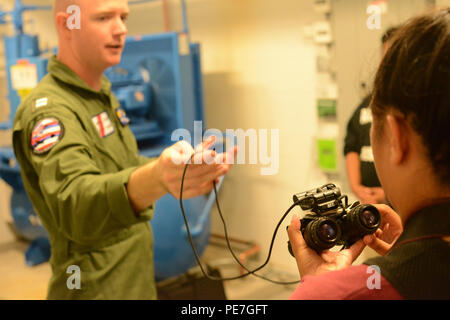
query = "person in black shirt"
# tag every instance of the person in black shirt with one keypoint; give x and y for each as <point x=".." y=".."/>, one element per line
<point x="357" y="148"/>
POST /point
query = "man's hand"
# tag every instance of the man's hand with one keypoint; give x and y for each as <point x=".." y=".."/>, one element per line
<point x="309" y="262"/>
<point x="155" y="179"/>
<point x="205" y="167"/>
<point x="390" y="229"/>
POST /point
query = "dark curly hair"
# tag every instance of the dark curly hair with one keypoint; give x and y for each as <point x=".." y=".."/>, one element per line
<point x="414" y="78"/>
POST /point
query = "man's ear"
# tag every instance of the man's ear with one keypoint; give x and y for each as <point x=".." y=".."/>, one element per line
<point x="61" y="24"/>
<point x="398" y="134"/>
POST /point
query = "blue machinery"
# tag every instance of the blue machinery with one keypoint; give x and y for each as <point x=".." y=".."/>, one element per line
<point x="161" y="90"/>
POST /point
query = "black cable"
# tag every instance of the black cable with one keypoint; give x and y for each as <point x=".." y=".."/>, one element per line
<point x="197" y="258"/>
<point x="191" y="241"/>
<point x="270" y="248"/>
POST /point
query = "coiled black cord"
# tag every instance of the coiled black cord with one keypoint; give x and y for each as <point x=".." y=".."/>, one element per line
<point x="249" y="272"/>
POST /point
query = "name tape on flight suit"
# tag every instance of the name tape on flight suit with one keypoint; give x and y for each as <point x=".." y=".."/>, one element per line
<point x="42" y="102"/>
<point x="45" y="135"/>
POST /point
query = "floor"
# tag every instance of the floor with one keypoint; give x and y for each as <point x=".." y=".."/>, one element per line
<point x="250" y="287"/>
<point x="20" y="282"/>
<point x="17" y="280"/>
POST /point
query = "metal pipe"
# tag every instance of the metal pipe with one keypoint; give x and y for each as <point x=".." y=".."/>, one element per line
<point x="219" y="236"/>
<point x="253" y="249"/>
<point x="247" y="254"/>
<point x="185" y="20"/>
<point x="166" y="16"/>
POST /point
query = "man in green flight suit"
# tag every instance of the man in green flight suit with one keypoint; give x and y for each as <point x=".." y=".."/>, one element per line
<point x="80" y="164"/>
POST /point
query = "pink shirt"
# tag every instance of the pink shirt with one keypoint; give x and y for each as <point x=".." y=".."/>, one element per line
<point x="353" y="283"/>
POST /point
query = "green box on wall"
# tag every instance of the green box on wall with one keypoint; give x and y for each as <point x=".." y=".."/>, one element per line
<point x="327" y="154"/>
<point x="326" y="108"/>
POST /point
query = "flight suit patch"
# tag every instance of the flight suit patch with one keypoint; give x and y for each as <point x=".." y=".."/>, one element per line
<point x="124" y="120"/>
<point x="45" y="135"/>
<point x="103" y="124"/>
